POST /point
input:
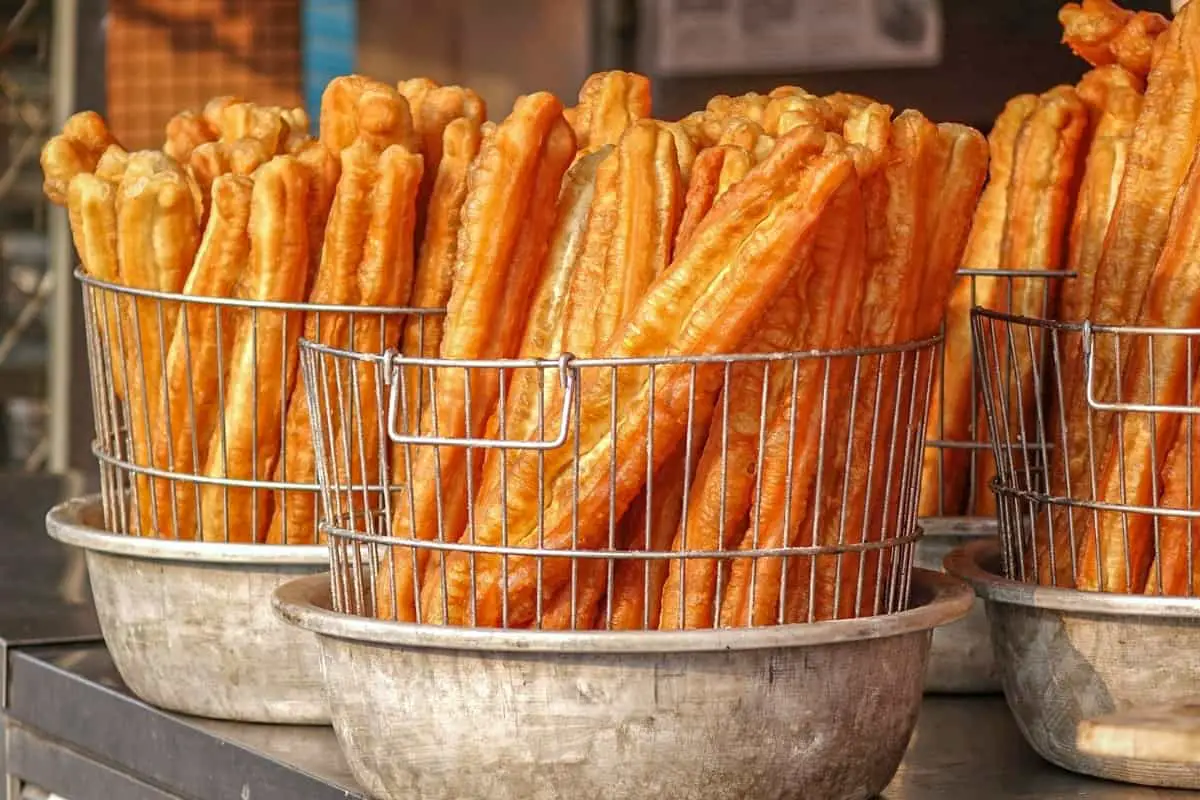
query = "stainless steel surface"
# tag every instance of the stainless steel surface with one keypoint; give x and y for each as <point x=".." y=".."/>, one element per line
<point x="182" y="756"/>
<point x="962" y="747"/>
<point x="456" y="712"/>
<point x="1067" y="656"/>
<point x="184" y="473"/>
<point x="592" y="525"/>
<point x="960" y="658"/>
<point x="190" y="627"/>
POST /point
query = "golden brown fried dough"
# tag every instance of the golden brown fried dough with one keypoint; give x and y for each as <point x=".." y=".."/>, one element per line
<point x="1118" y="557"/>
<point x="513" y="165"/>
<point x="609" y="102"/>
<point x="952" y="405"/>
<point x="199" y="354"/>
<point x="92" y="207"/>
<point x="711" y="286"/>
<point x="185" y="132"/>
<point x="1102" y="33"/>
<point x="77" y="149"/>
<point x="246" y="441"/>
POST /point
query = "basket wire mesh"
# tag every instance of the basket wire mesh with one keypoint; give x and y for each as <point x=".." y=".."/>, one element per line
<point x="193" y="404"/>
<point x="722" y="491"/>
<point x="958" y="466"/>
<point x="1095" y="480"/>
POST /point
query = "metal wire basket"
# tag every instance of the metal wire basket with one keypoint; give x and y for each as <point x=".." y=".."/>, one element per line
<point x="957" y="460"/>
<point x="545" y="524"/>
<point x="1095" y="458"/>
<point x="198" y="435"/>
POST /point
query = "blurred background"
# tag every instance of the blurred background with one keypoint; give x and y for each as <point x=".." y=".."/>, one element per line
<point x="139" y="61"/>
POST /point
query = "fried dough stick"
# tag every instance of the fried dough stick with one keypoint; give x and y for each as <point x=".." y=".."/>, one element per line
<point x="76" y="150"/>
<point x="756" y="238"/>
<point x="511" y="190"/>
<point x="649" y="197"/>
<point x="198" y="359"/>
<point x="1114" y="100"/>
<point x="722" y="493"/>
<point x="92" y="207"/>
<point x="434" y="272"/>
<point x="342" y="117"/>
<point x="1119" y="556"/>
<point x="1102" y="33"/>
<point x="156" y="242"/>
<point x="954" y="160"/>
<point x="1048" y="159"/>
<point x="262" y="367"/>
<point x="884" y="266"/>
<point x="1178" y="549"/>
<point x="534" y="399"/>
<point x="945" y="473"/>
<point x="1160" y="154"/>
<point x="186" y="131"/>
<point x="609" y="102"/>
<point x="714" y="167"/>
<point x="341" y="209"/>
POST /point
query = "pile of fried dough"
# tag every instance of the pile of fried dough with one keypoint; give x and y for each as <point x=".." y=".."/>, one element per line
<point x="1098" y="180"/>
<point x="763" y="224"/>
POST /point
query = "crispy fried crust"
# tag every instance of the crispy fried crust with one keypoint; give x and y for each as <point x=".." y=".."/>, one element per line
<point x="435" y="263"/>
<point x="92" y="207"/>
<point x="709" y="284"/>
<point x="609" y="102"/>
<point x="336" y="283"/>
<point x="952" y="405"/>
<point x="245" y="442"/>
<point x="1114" y="100"/>
<point x="513" y="165"/>
<point x="157" y="238"/>
<point x="1102" y="33"/>
<point x="1164" y="136"/>
<point x="199" y="355"/>
<point x="185" y="132"/>
<point x="1119" y="556"/>
<point x="1049" y="156"/>
<point x="76" y="150"/>
<point x="1169" y="574"/>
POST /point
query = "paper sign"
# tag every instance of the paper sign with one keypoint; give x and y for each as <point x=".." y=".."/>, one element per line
<point x="721" y="36"/>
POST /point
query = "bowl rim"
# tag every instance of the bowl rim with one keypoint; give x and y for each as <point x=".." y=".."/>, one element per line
<point x="977" y="562"/>
<point x="304" y="602"/>
<point x="65" y="523"/>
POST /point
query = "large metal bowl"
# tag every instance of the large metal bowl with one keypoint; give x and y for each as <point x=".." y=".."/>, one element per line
<point x="822" y="710"/>
<point x="1069" y="660"/>
<point x="189" y="624"/>
<point x="960" y="658"/>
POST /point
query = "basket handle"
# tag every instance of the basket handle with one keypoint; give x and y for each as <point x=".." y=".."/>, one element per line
<point x="1087" y="334"/>
<point x="393" y="363"/>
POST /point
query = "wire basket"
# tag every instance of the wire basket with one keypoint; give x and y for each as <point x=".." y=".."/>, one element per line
<point x="742" y="490"/>
<point x="957" y="464"/>
<point x="199" y="434"/>
<point x="1095" y="457"/>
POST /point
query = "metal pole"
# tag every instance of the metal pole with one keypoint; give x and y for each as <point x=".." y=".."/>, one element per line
<point x="62" y="77"/>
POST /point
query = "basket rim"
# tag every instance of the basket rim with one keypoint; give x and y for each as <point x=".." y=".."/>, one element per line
<point x="1086" y="327"/>
<point x="975" y="563"/>
<point x="65" y="524"/>
<point x="390" y="358"/>
<point x="305" y="602"/>
<point x="178" y="297"/>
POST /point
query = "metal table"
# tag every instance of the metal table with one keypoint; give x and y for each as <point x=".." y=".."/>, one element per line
<point x="71" y="727"/>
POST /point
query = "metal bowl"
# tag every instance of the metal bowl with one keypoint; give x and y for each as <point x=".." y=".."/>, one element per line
<point x="1069" y="660"/>
<point x="821" y="710"/>
<point x="189" y="624"/>
<point x="960" y="659"/>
